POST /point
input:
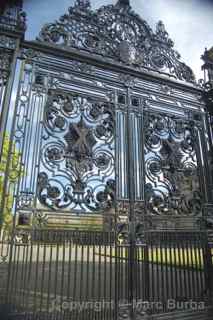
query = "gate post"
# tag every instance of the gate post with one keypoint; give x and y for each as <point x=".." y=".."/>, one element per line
<point x="12" y="29"/>
<point x="208" y="98"/>
<point x="12" y="25"/>
<point x="131" y="195"/>
<point x="208" y="269"/>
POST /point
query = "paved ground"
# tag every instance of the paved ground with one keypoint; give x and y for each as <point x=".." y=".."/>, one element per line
<point x="41" y="280"/>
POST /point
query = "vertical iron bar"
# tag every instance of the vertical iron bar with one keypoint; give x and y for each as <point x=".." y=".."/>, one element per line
<point x="29" y="279"/>
<point x="6" y="103"/>
<point x="49" y="277"/>
<point x="131" y="195"/>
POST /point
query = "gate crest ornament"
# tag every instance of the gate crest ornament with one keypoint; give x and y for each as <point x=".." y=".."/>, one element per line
<point x="117" y="32"/>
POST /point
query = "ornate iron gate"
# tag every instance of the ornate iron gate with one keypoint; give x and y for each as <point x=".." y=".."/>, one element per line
<point x="106" y="175"/>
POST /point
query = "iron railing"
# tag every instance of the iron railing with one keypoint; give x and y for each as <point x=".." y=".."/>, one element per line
<point x="86" y="275"/>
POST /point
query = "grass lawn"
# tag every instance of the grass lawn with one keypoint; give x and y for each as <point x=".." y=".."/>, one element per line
<point x="190" y="258"/>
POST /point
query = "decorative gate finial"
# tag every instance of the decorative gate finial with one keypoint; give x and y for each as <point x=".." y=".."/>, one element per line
<point x="83" y="4"/>
<point x="123" y="3"/>
<point x="118" y="33"/>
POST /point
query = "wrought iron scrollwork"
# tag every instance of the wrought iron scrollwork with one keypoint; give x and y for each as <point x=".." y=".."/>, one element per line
<point x="5" y="238"/>
<point x="22" y="236"/>
<point x="77" y="154"/>
<point x="117" y="32"/>
<point x="124" y="312"/>
<point x="172" y="183"/>
<point x="13" y="17"/>
<point x="5" y="63"/>
<point x="122" y="221"/>
<point x="40" y="220"/>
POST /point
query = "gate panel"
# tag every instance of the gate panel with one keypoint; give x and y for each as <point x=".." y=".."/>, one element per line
<point x="63" y="259"/>
<point x="78" y="149"/>
<point x="173" y="189"/>
<point x="170" y="249"/>
<point x="86" y="204"/>
<point x="106" y="180"/>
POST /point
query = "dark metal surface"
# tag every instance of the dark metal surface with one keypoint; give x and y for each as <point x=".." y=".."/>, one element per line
<point x="105" y="175"/>
<point x="12" y="18"/>
<point x="119" y="33"/>
<point x="48" y="277"/>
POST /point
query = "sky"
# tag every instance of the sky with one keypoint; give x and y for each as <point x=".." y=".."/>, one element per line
<point x="188" y="22"/>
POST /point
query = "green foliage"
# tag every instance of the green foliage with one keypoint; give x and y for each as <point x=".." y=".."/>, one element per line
<point x="13" y="174"/>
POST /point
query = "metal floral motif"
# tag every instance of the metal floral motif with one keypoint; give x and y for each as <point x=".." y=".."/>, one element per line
<point x="124" y="312"/>
<point x="22" y="236"/>
<point x="117" y="32"/>
<point x="13" y="17"/>
<point x="5" y="62"/>
<point x="172" y="184"/>
<point x="122" y="221"/>
<point x="77" y="154"/>
<point x="40" y="220"/>
<point x="25" y="199"/>
<point x="7" y="42"/>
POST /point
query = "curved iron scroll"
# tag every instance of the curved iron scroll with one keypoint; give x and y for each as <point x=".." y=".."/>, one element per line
<point x="77" y="155"/>
<point x="172" y="179"/>
<point x="117" y="32"/>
